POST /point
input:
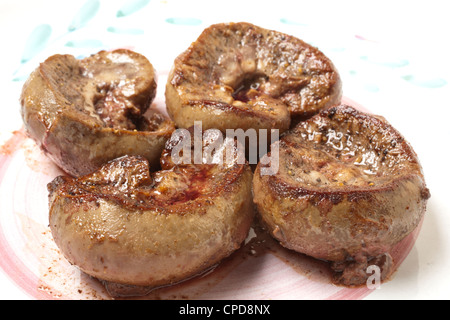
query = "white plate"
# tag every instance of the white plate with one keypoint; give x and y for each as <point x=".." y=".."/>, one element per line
<point x="401" y="83"/>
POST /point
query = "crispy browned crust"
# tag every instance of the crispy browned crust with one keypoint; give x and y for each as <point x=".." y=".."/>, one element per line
<point x="126" y="225"/>
<point x="77" y="110"/>
<point x="139" y="191"/>
<point x="238" y="75"/>
<point x="329" y="201"/>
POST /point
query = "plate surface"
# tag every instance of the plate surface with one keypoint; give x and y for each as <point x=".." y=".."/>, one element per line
<point x="399" y="82"/>
<point x="261" y="269"/>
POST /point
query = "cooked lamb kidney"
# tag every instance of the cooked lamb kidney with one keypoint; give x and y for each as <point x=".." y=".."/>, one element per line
<point x="125" y="225"/>
<point x="83" y="113"/>
<point x="238" y="75"/>
<point x="348" y="188"/>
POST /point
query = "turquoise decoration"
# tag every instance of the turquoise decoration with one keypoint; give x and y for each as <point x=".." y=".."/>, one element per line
<point x="184" y="21"/>
<point x="425" y="82"/>
<point x="85" y="43"/>
<point x="371" y="87"/>
<point x="86" y="13"/>
<point x="20" y="78"/>
<point x="386" y="62"/>
<point x="292" y="22"/>
<point x="131" y="7"/>
<point x="41" y="36"/>
<point x="36" y="41"/>
<point x="134" y="31"/>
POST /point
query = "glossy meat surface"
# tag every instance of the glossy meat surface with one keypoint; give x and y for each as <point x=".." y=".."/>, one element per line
<point x="349" y="187"/>
<point x="244" y="76"/>
<point x="124" y="224"/>
<point x="76" y="110"/>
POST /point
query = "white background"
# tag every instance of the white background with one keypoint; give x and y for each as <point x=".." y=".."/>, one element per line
<point x="373" y="72"/>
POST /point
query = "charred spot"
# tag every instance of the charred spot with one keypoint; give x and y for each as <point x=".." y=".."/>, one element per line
<point x="358" y="196"/>
<point x="331" y="112"/>
<point x="425" y="193"/>
<point x="353" y="272"/>
<point x="335" y="198"/>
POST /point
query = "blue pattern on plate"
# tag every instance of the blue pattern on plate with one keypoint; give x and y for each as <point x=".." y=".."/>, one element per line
<point x="118" y="30"/>
<point x="131" y="7"/>
<point x="390" y="61"/>
<point x="292" y="22"/>
<point x="184" y="21"/>
<point x="85" y="14"/>
<point x="425" y="82"/>
<point x="40" y="36"/>
<point x="85" y="43"/>
<point x="36" y="41"/>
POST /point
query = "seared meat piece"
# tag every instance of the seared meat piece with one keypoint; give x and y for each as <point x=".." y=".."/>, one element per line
<point x="348" y="188"/>
<point x="84" y="113"/>
<point x="125" y="225"/>
<point x="237" y="75"/>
